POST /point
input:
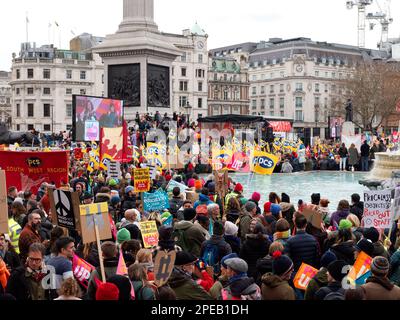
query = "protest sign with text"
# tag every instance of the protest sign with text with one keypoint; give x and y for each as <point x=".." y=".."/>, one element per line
<point x="142" y="180"/>
<point x="149" y="233"/>
<point x="377" y="204"/>
<point x="156" y="201"/>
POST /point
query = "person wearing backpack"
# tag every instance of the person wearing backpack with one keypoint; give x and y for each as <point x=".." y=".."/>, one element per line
<point x="201" y="205"/>
<point x="334" y="290"/>
<point x="213" y="250"/>
<point x="176" y="202"/>
<point x="187" y="235"/>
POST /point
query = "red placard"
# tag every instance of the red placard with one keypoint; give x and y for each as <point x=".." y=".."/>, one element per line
<point x="28" y="170"/>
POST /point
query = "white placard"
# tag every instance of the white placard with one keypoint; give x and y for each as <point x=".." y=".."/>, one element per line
<point x="377" y="204"/>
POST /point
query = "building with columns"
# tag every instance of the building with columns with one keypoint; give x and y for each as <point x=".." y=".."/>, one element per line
<point x="5" y="97"/>
<point x="43" y="80"/>
<point x="295" y="79"/>
<point x="228" y="86"/>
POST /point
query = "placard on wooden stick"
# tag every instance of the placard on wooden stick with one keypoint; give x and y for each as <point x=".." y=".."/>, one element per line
<point x="92" y="215"/>
<point x="3" y="203"/>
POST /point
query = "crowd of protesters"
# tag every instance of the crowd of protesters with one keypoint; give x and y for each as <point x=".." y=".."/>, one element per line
<point x="254" y="247"/>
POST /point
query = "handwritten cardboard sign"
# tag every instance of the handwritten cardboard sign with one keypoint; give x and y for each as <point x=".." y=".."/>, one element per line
<point x="377" y="205"/>
<point x="142" y="180"/>
<point x="149" y="233"/>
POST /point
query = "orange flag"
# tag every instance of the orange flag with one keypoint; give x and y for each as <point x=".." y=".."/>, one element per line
<point x="361" y="266"/>
<point x="304" y="276"/>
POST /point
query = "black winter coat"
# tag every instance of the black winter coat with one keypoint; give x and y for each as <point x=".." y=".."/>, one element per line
<point x="234" y="242"/>
<point x="223" y="247"/>
<point x="303" y="248"/>
<point x="253" y="249"/>
<point x="129" y="203"/>
<point x="12" y="260"/>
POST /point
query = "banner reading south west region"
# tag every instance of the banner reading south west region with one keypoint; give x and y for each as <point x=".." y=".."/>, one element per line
<point x="28" y="170"/>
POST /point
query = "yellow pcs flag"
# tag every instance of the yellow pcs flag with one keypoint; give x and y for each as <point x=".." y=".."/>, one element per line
<point x="263" y="162"/>
<point x="105" y="161"/>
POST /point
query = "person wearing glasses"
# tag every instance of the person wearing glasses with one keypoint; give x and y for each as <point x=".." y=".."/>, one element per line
<point x="25" y="282"/>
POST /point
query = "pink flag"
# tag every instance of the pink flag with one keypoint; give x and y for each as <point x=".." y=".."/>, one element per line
<point x="82" y="270"/>
<point x="122" y="270"/>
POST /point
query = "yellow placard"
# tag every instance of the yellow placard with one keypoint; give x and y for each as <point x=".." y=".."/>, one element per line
<point x="149" y="233"/>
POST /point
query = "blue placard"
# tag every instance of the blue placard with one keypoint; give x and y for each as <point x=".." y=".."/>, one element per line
<point x="156" y="201"/>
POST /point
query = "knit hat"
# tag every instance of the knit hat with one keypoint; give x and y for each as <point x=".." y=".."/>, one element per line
<point x="124" y="286"/>
<point x="230" y="228"/>
<point x="237" y="264"/>
<point x="112" y="182"/>
<point x="327" y="258"/>
<point x="129" y="189"/>
<point x="345" y="224"/>
<point x="366" y="246"/>
<point x="191" y="183"/>
<point x="211" y="187"/>
<point x="243" y="201"/>
<point x="183" y="258"/>
<point x="281" y="264"/>
<point x="238" y="188"/>
<point x="107" y="291"/>
<point x="218" y="228"/>
<point x="267" y="206"/>
<point x="115" y="200"/>
<point x="371" y="234"/>
<point x="249" y="206"/>
<point x="134" y="231"/>
<point x="255" y="197"/>
<point x="198" y="185"/>
<point x="275" y="209"/>
<point x="380" y="266"/>
<point x="87" y="195"/>
<point x="123" y="235"/>
<point x="189" y="214"/>
<point x="337" y="269"/>
<point x="229" y="256"/>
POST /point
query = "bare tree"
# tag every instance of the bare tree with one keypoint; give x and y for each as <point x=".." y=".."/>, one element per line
<point x="374" y="88"/>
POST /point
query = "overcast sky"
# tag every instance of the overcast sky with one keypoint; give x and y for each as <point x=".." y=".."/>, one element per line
<point x="226" y="21"/>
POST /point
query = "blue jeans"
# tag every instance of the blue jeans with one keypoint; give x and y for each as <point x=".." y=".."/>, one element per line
<point x="342" y="164"/>
<point x="364" y="163"/>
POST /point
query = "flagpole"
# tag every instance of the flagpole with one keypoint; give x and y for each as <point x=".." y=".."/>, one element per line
<point x="26" y="25"/>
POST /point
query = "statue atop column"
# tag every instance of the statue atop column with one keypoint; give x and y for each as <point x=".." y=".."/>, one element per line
<point x="349" y="111"/>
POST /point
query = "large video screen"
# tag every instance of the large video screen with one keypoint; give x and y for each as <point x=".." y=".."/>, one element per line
<point x="92" y="113"/>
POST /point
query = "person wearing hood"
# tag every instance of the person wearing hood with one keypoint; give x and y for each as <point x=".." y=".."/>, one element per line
<point x="275" y="285"/>
<point x="379" y="249"/>
<point x="254" y="247"/>
<point x="103" y="196"/>
<point x="181" y="280"/>
<point x="323" y="209"/>
<point x="378" y="286"/>
<point x="334" y="290"/>
<point x="344" y="246"/>
<point x="342" y="212"/>
<point x="129" y="201"/>
<point x="188" y="236"/>
<point x="240" y="286"/>
<point x="231" y="236"/>
<point x="321" y="278"/>
<point x="287" y="209"/>
<point x="204" y="200"/>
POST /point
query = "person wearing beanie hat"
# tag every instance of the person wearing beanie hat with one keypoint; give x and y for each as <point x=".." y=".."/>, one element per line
<point x="337" y="270"/>
<point x="107" y="292"/>
<point x="112" y="183"/>
<point x="364" y="245"/>
<point x="191" y="182"/>
<point x="378" y="286"/>
<point x="345" y="224"/>
<point x="240" y="286"/>
<point x="214" y="249"/>
<point x="231" y="237"/>
<point x="181" y="280"/>
<point x="255" y="197"/>
<point x="87" y="198"/>
<point x="321" y="278"/>
<point x="123" y="235"/>
<point x="249" y="213"/>
<point x="275" y="285"/>
<point x="187" y="235"/>
<point x="198" y="185"/>
<point x="276" y="211"/>
<point x="379" y="249"/>
<point x="129" y="199"/>
<point x="238" y="188"/>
